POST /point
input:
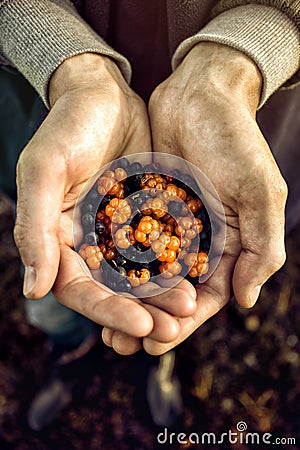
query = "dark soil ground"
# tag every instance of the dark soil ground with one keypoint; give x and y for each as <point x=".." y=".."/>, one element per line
<point x="242" y="365"/>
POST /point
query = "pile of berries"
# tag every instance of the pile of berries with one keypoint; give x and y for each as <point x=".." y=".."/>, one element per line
<point x="140" y="225"/>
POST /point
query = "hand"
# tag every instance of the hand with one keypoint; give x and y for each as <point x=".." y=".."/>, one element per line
<point x="94" y="118"/>
<point x="205" y="113"/>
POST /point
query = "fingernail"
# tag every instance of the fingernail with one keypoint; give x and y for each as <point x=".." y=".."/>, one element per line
<point x="29" y="280"/>
<point x="254" y="295"/>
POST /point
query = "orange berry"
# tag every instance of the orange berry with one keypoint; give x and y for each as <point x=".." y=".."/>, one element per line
<point x="181" y="194"/>
<point x="171" y="256"/>
<point x="147" y="243"/>
<point x="146" y="219"/>
<point x="146" y="210"/>
<point x="202" y="268"/>
<point x="102" y="248"/>
<point x="190" y="234"/>
<point x="120" y="174"/>
<point x="157" y="203"/>
<point x="154" y="235"/>
<point x="151" y="183"/>
<point x="185" y="242"/>
<point x="179" y="230"/>
<point x="182" y="253"/>
<point x="140" y="236"/>
<point x="108" y="174"/>
<point x="124" y="243"/>
<point x="122" y="210"/>
<point x="91" y="250"/>
<point x="165" y="238"/>
<point x="175" y="268"/>
<point x="122" y="239"/>
<point x="110" y="254"/>
<point x="155" y="224"/>
<point x="93" y="262"/>
<point x="174" y="243"/>
<point x="159" y="213"/>
<point x="164" y="271"/>
<point x="158" y="247"/>
<point x="172" y="188"/>
<point x="137" y="277"/>
<point x="202" y="257"/>
<point x="192" y="204"/>
<point x="205" y="268"/>
<point x="169" y="270"/>
<point x="109" y="210"/>
<point x="145" y="276"/>
<point x="190" y="259"/>
<point x="163" y="256"/>
<point x="133" y="279"/>
<point x="120" y="194"/>
<point x="198" y="225"/>
<point x="193" y="272"/>
<point x="115" y="189"/>
<point x="101" y="190"/>
<point x="119" y="218"/>
<point x="145" y="227"/>
<point x="186" y="222"/>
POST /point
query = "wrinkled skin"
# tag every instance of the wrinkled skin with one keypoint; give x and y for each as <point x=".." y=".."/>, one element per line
<point x="205" y="113"/>
<point x="94" y="119"/>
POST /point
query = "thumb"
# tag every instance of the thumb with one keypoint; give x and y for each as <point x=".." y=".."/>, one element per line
<point x="262" y="238"/>
<point x="40" y="194"/>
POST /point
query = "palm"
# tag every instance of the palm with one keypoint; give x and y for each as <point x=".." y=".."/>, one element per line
<point x="220" y="136"/>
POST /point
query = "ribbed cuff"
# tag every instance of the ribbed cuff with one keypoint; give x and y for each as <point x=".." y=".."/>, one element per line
<point x="263" y="33"/>
<point x="36" y="36"/>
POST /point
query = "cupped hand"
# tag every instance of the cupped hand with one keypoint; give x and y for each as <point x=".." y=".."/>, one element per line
<point x="205" y="113"/>
<point x="94" y="118"/>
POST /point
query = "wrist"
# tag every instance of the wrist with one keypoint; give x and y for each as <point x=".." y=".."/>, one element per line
<point x="83" y="71"/>
<point x="226" y="71"/>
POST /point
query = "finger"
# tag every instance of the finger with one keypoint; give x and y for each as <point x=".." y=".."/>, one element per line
<point x="107" y="335"/>
<point x="124" y="344"/>
<point x="211" y="297"/>
<point x="179" y="301"/>
<point x="40" y="183"/>
<point x="261" y="220"/>
<point x="76" y="290"/>
<point x="166" y="327"/>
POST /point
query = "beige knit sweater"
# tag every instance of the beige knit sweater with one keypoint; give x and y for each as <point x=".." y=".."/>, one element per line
<point x="37" y="35"/>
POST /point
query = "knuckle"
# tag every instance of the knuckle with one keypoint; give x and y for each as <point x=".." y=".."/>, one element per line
<point x="20" y="235"/>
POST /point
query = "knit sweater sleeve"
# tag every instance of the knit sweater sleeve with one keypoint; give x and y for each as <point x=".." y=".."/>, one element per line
<point x="36" y="36"/>
<point x="268" y="35"/>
